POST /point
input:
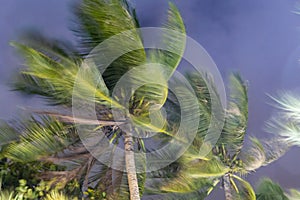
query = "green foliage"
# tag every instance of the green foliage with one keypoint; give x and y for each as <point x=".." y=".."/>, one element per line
<point x="54" y="68"/>
<point x="236" y="121"/>
<point x="39" y="138"/>
<point x="268" y="190"/>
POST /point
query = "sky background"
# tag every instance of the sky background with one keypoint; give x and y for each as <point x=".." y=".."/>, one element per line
<point x="258" y="39"/>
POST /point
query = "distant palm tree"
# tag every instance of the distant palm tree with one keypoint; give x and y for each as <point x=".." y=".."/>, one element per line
<point x="193" y="176"/>
<point x="52" y="66"/>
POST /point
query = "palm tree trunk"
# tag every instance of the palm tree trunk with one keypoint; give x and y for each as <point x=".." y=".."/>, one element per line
<point x="130" y="167"/>
<point x="227" y="187"/>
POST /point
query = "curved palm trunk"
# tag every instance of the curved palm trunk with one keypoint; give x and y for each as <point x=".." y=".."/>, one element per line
<point x="130" y="167"/>
<point x="227" y="187"/>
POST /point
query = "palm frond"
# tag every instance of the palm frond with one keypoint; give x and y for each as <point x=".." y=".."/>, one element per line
<point x="289" y="104"/>
<point x="237" y="116"/>
<point x="151" y="77"/>
<point x="285" y="128"/>
<point x="286" y="123"/>
<point x="274" y="149"/>
<point x="174" y="40"/>
<point x="56" y="81"/>
<point x="39" y="138"/>
<point x="194" y="176"/>
<point x="268" y="190"/>
<point x="100" y="20"/>
<point x="246" y="191"/>
<point x="253" y="157"/>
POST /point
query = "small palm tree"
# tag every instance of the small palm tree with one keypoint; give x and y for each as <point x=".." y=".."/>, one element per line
<point x="230" y="159"/>
<point x="52" y="67"/>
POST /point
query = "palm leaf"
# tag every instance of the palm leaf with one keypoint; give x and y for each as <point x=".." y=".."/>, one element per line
<point x="286" y="124"/>
<point x="246" y="191"/>
<point x="56" y="80"/>
<point x="237" y="116"/>
<point x="39" y="139"/>
<point x="100" y="20"/>
<point x="253" y="157"/>
<point x="268" y="190"/>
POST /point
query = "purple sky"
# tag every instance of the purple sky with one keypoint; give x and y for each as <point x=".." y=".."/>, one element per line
<point x="259" y="39"/>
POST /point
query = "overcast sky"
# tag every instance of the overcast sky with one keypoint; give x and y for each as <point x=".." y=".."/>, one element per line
<point x="259" y="39"/>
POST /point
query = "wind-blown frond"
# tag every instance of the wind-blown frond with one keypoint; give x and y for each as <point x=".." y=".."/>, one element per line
<point x="99" y="20"/>
<point x="268" y="190"/>
<point x="55" y="81"/>
<point x="38" y="139"/>
<point x="174" y="39"/>
<point x="274" y="149"/>
<point x="286" y="128"/>
<point x="204" y="101"/>
<point x="154" y="78"/>
<point x="289" y="104"/>
<point x="253" y="157"/>
<point x="245" y="190"/>
<point x="194" y="176"/>
<point x="286" y="123"/>
<point x="237" y="116"/>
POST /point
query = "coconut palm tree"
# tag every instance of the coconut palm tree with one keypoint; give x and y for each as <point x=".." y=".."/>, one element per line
<point x="232" y="158"/>
<point x="51" y="71"/>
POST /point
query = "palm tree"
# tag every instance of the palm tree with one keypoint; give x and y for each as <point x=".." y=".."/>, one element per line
<point x="193" y="176"/>
<point x="52" y="67"/>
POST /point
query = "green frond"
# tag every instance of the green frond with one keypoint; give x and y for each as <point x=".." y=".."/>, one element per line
<point x="200" y="168"/>
<point x="184" y="185"/>
<point x="237" y="116"/>
<point x="174" y="40"/>
<point x="38" y="139"/>
<point x="55" y="80"/>
<point x="204" y="101"/>
<point x="99" y="20"/>
<point x="246" y="191"/>
<point x="268" y="190"/>
<point x="197" y="175"/>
